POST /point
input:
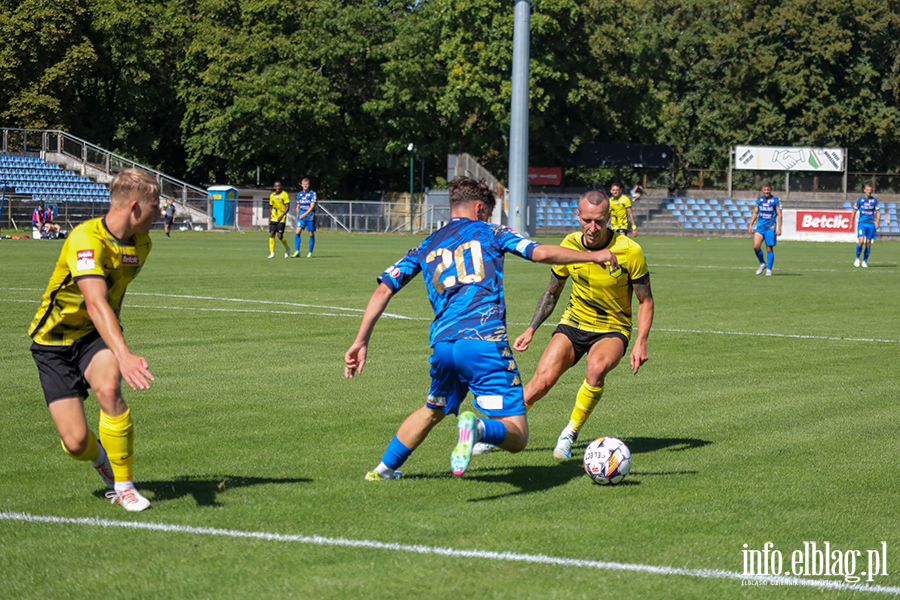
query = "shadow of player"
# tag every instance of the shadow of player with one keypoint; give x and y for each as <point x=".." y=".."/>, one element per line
<point x="204" y="489"/>
<point x="531" y="479"/>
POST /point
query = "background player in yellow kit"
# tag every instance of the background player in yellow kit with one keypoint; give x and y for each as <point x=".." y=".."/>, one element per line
<point x="597" y="320"/>
<point x="77" y="339"/>
<point x="280" y="203"/>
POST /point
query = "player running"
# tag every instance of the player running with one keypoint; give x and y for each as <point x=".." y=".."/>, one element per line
<point x="463" y="269"/>
<point x="597" y="320"/>
<point x="766" y="216"/>
<point x="867" y="228"/>
<point x="77" y="339"/>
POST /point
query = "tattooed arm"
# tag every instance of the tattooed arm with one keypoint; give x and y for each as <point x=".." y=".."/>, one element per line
<point x="544" y="309"/>
<point x="645" y="319"/>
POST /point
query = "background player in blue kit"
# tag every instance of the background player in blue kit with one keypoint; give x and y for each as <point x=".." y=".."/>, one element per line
<point x="869" y="220"/>
<point x="463" y="270"/>
<point x="306" y="217"/>
<point x="766" y="217"/>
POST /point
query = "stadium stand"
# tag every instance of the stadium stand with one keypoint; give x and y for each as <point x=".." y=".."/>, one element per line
<point x="29" y="175"/>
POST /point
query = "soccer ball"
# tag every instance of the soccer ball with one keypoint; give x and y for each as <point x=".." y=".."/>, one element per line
<point x="607" y="460"/>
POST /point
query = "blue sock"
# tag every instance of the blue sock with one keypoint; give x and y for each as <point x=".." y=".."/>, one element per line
<point x="297" y="242"/>
<point x="494" y="432"/>
<point x="312" y="242"/>
<point x="759" y="256"/>
<point x="866" y="255"/>
<point x="858" y="248"/>
<point x="396" y="454"/>
<point x="770" y="260"/>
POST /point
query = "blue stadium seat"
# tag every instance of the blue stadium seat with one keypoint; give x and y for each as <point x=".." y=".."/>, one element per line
<point x="678" y="201"/>
<point x="713" y="202"/>
<point x="676" y="213"/>
<point x="688" y="226"/>
<point x="716" y="220"/>
<point x="847" y="205"/>
<point x="727" y="202"/>
<point x="731" y="227"/>
<point x="701" y="213"/>
<point x="705" y="220"/>
<point x="694" y="220"/>
<point x="682" y="219"/>
<point x="670" y="207"/>
<point x="689" y="213"/>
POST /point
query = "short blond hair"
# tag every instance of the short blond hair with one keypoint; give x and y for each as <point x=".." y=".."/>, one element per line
<point x="133" y="184"/>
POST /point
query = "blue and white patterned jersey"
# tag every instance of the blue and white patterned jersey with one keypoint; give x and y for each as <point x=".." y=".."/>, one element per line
<point x="304" y="201"/>
<point x="767" y="216"/>
<point x="867" y="208"/>
<point x="463" y="270"/>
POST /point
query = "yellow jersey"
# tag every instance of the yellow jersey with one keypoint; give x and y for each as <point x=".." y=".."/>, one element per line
<point x="91" y="250"/>
<point x="280" y="203"/>
<point x="618" y="212"/>
<point x="601" y="302"/>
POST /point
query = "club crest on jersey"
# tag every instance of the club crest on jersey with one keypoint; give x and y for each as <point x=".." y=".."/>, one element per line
<point x="85" y="260"/>
<point x="393" y="272"/>
<point x="130" y="259"/>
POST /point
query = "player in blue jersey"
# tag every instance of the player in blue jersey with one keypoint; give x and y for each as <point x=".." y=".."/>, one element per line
<point x="869" y="220"/>
<point x="463" y="269"/>
<point x="306" y="217"/>
<point x="765" y="225"/>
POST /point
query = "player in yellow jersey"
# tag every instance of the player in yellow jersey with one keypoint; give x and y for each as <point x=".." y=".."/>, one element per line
<point x="620" y="210"/>
<point x="597" y="320"/>
<point x="280" y="203"/>
<point x="77" y="339"/>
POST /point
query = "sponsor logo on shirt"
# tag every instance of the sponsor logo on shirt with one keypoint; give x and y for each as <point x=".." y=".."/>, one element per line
<point x="130" y="259"/>
<point x="521" y="246"/>
<point x="85" y="260"/>
<point x="394" y="272"/>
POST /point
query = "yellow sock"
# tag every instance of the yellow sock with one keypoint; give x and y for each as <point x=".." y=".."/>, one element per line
<point x="271" y="244"/>
<point x="117" y="435"/>
<point x="90" y="453"/>
<point x="284" y="243"/>
<point x="585" y="401"/>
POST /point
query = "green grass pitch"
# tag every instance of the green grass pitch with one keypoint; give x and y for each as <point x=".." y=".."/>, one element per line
<point x="767" y="413"/>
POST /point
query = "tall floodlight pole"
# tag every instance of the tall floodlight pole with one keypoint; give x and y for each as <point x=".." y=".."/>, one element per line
<point x="411" y="151"/>
<point x="518" y="129"/>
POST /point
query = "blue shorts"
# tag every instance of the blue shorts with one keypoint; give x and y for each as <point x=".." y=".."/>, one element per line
<point x="866" y="230"/>
<point x="769" y="235"/>
<point x="488" y="369"/>
<point x="307" y="224"/>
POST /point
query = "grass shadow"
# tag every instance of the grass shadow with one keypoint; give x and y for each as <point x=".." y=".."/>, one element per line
<point x="204" y="489"/>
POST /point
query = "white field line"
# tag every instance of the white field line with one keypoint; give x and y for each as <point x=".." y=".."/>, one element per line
<point x="783" y="270"/>
<point x="470" y="554"/>
<point x="354" y="312"/>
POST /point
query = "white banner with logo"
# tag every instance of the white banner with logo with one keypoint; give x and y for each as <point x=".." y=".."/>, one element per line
<point x="817" y="225"/>
<point x="773" y="158"/>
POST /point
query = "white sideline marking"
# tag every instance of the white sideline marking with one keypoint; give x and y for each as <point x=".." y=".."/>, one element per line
<point x="478" y="554"/>
<point x="355" y="311"/>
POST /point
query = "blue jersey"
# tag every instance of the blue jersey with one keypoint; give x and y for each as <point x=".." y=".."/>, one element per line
<point x="767" y="215"/>
<point x="463" y="270"/>
<point x="304" y="201"/>
<point x="867" y="208"/>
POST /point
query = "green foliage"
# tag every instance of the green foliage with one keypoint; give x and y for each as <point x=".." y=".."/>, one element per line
<point x="216" y="89"/>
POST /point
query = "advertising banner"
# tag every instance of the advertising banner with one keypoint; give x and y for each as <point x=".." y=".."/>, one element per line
<point x="544" y="175"/>
<point x="818" y="225"/>
<point x="774" y="158"/>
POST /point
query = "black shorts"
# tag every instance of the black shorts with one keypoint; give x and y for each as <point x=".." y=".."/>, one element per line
<point x="623" y="231"/>
<point x="582" y="341"/>
<point x="61" y="368"/>
<point x="275" y="227"/>
<point x="170" y="220"/>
